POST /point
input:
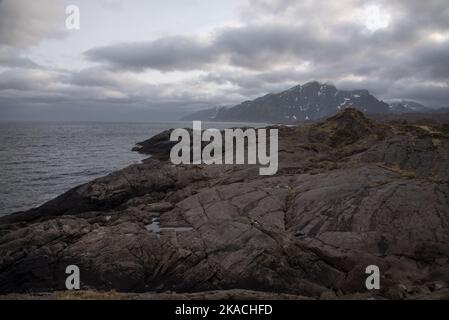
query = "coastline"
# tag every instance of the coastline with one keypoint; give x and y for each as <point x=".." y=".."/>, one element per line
<point x="349" y="193"/>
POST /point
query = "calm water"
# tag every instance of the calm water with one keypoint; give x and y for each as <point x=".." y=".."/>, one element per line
<point x="39" y="161"/>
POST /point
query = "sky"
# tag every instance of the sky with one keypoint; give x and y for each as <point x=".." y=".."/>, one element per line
<point x="148" y="60"/>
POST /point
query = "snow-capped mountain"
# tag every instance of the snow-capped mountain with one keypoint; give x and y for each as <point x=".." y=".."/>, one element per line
<point x="310" y="101"/>
<point x="405" y="106"/>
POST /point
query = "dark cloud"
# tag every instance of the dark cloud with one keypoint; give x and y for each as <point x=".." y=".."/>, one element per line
<point x="94" y="88"/>
<point x="327" y="38"/>
<point x="401" y="54"/>
<point x="433" y="61"/>
<point x="17" y="62"/>
<point x="11" y="58"/>
<point x="101" y="77"/>
<point x="267" y="46"/>
<point x="251" y="47"/>
<point x="24" y="23"/>
<point x="166" y="54"/>
<point x="433" y="94"/>
<point x="24" y="80"/>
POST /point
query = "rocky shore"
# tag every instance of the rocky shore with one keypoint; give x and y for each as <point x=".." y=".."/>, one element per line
<point x="350" y="192"/>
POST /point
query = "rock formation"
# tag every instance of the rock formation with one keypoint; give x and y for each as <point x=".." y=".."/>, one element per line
<point x="350" y="192"/>
<point x="310" y="101"/>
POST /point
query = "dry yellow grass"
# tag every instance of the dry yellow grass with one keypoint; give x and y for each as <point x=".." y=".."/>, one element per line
<point x="436" y="142"/>
<point x="397" y="168"/>
<point x="88" y="295"/>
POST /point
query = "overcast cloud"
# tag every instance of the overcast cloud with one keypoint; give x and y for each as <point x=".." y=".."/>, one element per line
<point x="126" y="64"/>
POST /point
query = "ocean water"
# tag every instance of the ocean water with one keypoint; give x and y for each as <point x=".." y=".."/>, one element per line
<point x="39" y="161"/>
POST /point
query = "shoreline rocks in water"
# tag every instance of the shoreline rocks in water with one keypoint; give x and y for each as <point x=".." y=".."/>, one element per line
<point x="350" y="192"/>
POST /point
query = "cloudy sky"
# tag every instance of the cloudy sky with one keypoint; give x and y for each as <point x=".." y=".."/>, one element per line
<point x="154" y="60"/>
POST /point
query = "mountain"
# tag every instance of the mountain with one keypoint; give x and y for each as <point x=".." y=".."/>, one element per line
<point x="205" y="115"/>
<point x="405" y="106"/>
<point x="310" y="101"/>
<point x="441" y="110"/>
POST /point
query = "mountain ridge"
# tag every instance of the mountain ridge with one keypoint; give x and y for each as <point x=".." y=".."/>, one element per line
<point x="311" y="101"/>
<point x="407" y="106"/>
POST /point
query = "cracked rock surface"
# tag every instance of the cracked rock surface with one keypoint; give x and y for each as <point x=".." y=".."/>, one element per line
<point x="350" y="192"/>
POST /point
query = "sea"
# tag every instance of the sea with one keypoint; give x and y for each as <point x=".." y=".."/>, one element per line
<point x="41" y="160"/>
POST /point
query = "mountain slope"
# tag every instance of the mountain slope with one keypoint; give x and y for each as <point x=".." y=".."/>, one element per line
<point x="205" y="115"/>
<point x="405" y="106"/>
<point x="310" y="101"/>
